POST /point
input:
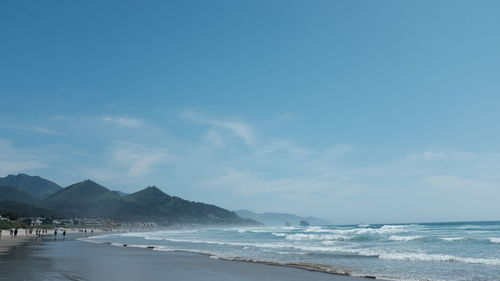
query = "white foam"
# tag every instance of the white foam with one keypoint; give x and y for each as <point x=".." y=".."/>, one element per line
<point x="437" y="257"/>
<point x="140" y="246"/>
<point x="451" y="239"/>
<point x="89" y="240"/>
<point x="363" y="230"/>
<point x="265" y="245"/>
<point x="164" y="249"/>
<point x="209" y="254"/>
<point x="135" y="234"/>
<point x="100" y="236"/>
<point x="404" y="238"/>
<point x="300" y="237"/>
<point x="494" y="239"/>
<point x="227" y="243"/>
<point x="394" y="226"/>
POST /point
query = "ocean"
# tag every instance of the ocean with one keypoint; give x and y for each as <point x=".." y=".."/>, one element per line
<point x="420" y="251"/>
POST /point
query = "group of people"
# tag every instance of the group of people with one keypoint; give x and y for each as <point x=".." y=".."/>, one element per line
<point x="38" y="232"/>
<point x="13" y="232"/>
<point x="63" y="233"/>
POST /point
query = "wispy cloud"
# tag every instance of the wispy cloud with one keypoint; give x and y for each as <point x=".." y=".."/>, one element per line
<point x="238" y="129"/>
<point x="34" y="129"/>
<point x="432" y="155"/>
<point x="214" y="138"/>
<point x="138" y="159"/>
<point x="127" y="163"/>
<point x="15" y="160"/>
<point x="248" y="183"/>
<point x="242" y="170"/>
<point x="127" y="122"/>
<point x="46" y="131"/>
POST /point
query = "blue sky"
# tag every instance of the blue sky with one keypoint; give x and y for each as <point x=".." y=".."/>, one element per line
<point x="354" y="111"/>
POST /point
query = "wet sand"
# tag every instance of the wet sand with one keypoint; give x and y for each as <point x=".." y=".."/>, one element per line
<point x="8" y="242"/>
<point x="70" y="259"/>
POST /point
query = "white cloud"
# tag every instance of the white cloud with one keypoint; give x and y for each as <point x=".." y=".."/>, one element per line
<point x="214" y="138"/>
<point x="138" y="159"/>
<point x="125" y="121"/>
<point x="440" y="155"/>
<point x="238" y="129"/>
<point x="127" y="163"/>
<point x="277" y="146"/>
<point x="35" y="129"/>
<point x="15" y="160"/>
<point x="248" y="183"/>
<point x="46" y="131"/>
<point x="275" y="174"/>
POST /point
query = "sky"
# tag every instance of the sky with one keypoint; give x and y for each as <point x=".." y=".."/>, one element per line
<point x="353" y="111"/>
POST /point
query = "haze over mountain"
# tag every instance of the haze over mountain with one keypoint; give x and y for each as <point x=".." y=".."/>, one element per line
<point x="280" y="218"/>
<point x="33" y="185"/>
<point x="92" y="200"/>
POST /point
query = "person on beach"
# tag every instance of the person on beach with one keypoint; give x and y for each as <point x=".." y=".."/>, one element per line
<point x="11" y="232"/>
<point x="15" y="232"/>
<point x="64" y="233"/>
<point x="55" y="232"/>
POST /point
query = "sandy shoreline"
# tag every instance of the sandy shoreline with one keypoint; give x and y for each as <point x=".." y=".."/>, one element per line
<point x="69" y="259"/>
<point x="8" y="242"/>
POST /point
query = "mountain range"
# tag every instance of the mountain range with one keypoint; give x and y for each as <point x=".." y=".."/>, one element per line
<point x="25" y="195"/>
<point x="33" y="185"/>
<point x="280" y="218"/>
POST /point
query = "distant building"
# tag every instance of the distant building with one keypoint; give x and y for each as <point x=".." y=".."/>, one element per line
<point x="68" y="222"/>
<point x="37" y="221"/>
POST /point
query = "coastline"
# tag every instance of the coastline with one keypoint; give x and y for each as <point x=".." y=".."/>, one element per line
<point x="9" y="243"/>
<point x="44" y="261"/>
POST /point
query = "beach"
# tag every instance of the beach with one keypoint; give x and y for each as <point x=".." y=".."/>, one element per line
<point x="23" y="237"/>
<point x="435" y="251"/>
<point x="456" y="251"/>
<point x="70" y="259"/>
<point x="7" y="242"/>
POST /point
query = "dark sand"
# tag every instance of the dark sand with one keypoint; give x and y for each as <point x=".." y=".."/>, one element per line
<point x="71" y="259"/>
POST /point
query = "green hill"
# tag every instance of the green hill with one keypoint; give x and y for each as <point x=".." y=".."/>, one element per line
<point x="34" y="185"/>
<point x="8" y="193"/>
<point x="151" y="202"/>
<point x="14" y="210"/>
<point x="82" y="192"/>
<point x="83" y="199"/>
<point x="91" y="200"/>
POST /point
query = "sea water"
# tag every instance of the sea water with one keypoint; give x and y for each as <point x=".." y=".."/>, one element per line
<point x="421" y="251"/>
